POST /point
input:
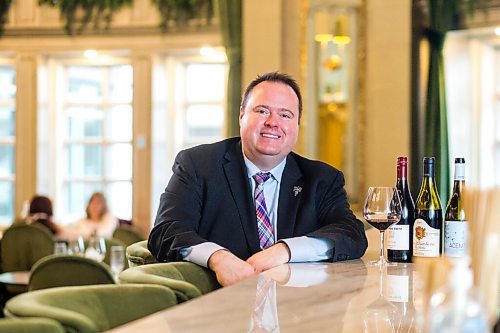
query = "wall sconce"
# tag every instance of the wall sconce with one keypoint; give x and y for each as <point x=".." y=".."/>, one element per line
<point x="341" y="37"/>
<point x="322" y="28"/>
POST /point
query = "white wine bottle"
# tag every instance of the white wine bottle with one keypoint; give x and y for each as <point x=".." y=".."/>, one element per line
<point x="455" y="225"/>
<point x="428" y="226"/>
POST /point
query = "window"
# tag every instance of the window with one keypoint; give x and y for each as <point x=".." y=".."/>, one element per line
<point x="472" y="60"/>
<point x="203" y="95"/>
<point x="7" y="141"/>
<point x="92" y="114"/>
<point x="189" y="104"/>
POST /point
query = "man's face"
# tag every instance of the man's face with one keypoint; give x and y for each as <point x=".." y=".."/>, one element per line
<point x="269" y="124"/>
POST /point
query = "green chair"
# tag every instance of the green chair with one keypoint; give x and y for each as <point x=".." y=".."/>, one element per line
<point x="65" y="270"/>
<point x="138" y="254"/>
<point x="22" y="246"/>
<point x="87" y="309"/>
<point x="128" y="235"/>
<point x="30" y="325"/>
<point x="186" y="279"/>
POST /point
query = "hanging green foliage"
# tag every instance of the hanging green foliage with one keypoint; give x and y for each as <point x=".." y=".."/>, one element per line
<point x="179" y="12"/>
<point x="79" y="13"/>
<point x="4" y="9"/>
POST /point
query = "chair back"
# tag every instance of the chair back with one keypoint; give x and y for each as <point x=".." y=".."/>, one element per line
<point x="23" y="245"/>
<point x="127" y="234"/>
<point x="27" y="325"/>
<point x="186" y="279"/>
<point x="65" y="270"/>
<point x="138" y="254"/>
<point x="86" y="309"/>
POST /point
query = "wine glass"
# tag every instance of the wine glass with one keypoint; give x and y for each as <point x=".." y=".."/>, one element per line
<point x="60" y="248"/>
<point x="96" y="249"/>
<point x="382" y="209"/>
<point x="117" y="259"/>
<point x="77" y="246"/>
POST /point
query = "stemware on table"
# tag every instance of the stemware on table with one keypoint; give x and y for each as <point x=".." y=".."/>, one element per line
<point x="382" y="209"/>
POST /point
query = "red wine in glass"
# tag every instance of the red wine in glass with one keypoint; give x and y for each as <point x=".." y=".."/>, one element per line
<point x="381" y="221"/>
<point x="381" y="210"/>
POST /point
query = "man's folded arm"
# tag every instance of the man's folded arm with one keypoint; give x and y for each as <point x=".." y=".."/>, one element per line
<point x="178" y="214"/>
<point x="199" y="254"/>
<point x="340" y="226"/>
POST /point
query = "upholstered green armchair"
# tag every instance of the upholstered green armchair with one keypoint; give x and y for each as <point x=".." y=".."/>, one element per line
<point x="30" y="325"/>
<point x="22" y="246"/>
<point x="87" y="309"/>
<point x="65" y="270"/>
<point x="138" y="254"/>
<point x="186" y="279"/>
<point x="128" y="235"/>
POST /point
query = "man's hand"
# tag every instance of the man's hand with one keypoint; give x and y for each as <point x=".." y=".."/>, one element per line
<point x="228" y="268"/>
<point x="271" y="257"/>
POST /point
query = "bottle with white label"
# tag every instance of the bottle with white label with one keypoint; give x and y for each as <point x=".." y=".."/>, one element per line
<point x="455" y="225"/>
<point x="428" y="226"/>
<point x="400" y="235"/>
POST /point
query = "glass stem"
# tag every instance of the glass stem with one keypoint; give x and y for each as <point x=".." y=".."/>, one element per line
<point x="382" y="260"/>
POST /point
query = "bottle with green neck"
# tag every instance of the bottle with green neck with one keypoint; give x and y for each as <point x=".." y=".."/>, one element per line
<point x="455" y="225"/>
<point x="428" y="226"/>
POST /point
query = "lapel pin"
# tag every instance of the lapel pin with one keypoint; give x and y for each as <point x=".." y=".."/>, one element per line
<point x="297" y="190"/>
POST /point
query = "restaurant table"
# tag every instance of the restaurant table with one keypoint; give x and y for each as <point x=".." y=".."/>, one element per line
<point x="347" y="296"/>
<point x="20" y="278"/>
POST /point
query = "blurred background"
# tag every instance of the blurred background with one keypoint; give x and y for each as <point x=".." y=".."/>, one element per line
<point x="102" y="99"/>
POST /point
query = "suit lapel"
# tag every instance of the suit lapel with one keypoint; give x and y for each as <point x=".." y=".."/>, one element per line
<point x="291" y="189"/>
<point x="236" y="175"/>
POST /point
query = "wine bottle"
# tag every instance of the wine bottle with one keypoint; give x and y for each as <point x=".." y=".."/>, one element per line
<point x="428" y="226"/>
<point x="400" y="235"/>
<point x="455" y="225"/>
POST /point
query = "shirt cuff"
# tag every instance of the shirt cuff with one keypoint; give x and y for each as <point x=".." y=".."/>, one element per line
<point x="305" y="249"/>
<point x="199" y="254"/>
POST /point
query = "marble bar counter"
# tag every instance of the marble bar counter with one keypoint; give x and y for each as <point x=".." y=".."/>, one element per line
<point x="346" y="296"/>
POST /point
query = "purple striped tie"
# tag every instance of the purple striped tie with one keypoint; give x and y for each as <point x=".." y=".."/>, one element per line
<point x="264" y="226"/>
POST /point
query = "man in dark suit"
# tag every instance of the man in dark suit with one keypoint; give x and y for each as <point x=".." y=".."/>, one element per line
<point x="245" y="205"/>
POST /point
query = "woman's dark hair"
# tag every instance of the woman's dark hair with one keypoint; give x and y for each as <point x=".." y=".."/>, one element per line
<point x="41" y="212"/>
<point x="273" y="77"/>
<point x="41" y="205"/>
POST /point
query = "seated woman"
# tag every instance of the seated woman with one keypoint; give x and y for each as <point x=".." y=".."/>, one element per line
<point x="99" y="222"/>
<point x="40" y="211"/>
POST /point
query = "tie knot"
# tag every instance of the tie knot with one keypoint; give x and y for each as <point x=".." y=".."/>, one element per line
<point x="261" y="177"/>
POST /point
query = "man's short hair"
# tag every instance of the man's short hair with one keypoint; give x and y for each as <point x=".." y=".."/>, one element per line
<point x="273" y="77"/>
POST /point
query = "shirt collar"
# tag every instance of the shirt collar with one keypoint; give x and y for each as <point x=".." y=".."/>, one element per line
<point x="276" y="172"/>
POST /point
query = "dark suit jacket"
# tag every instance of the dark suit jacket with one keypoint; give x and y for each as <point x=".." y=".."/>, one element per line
<point x="209" y="198"/>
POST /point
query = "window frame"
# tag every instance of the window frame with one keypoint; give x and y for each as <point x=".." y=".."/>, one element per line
<point x="170" y="68"/>
<point x="10" y="141"/>
<point x="60" y="142"/>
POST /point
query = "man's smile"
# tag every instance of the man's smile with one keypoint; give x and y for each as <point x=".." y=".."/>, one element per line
<point x="270" y="136"/>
